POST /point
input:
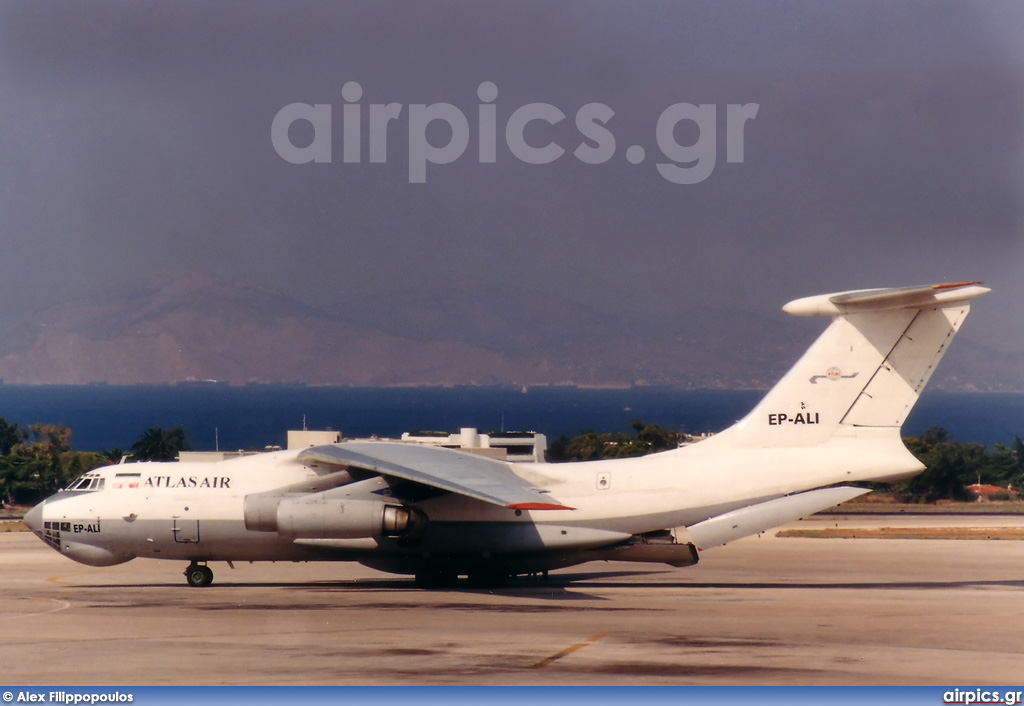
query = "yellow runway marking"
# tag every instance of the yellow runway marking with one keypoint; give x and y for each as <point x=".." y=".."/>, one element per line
<point x="568" y="651"/>
<point x="61" y="605"/>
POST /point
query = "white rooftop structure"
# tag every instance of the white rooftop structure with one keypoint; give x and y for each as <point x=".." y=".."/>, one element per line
<point x="303" y="439"/>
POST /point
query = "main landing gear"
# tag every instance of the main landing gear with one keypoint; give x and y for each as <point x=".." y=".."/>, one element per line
<point x="198" y="574"/>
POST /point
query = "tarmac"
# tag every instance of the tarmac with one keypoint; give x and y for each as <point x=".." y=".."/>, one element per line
<point x="763" y="610"/>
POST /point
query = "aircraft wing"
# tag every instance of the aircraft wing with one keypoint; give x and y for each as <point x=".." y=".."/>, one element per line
<point x="474" y="476"/>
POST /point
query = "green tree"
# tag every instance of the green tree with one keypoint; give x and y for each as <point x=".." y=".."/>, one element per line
<point x="10" y="435"/>
<point x="591" y="446"/>
<point x="950" y="467"/>
<point x="1017" y="449"/>
<point x="157" y="444"/>
<point x="113" y="456"/>
<point x="651" y="438"/>
<point x="42" y="463"/>
<point x="1001" y="468"/>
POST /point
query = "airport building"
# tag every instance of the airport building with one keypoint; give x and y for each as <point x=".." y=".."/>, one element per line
<point x="516" y="446"/>
<point x="303" y="438"/>
<point x="520" y="446"/>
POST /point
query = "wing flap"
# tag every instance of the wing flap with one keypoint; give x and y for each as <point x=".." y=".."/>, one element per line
<point x="484" y="479"/>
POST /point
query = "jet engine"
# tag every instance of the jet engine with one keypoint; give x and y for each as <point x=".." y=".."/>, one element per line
<point x="315" y="517"/>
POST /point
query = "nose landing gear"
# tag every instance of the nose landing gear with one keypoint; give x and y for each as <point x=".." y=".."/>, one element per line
<point x="198" y="575"/>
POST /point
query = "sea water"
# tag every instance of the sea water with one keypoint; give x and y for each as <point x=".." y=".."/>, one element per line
<point x="105" y="417"/>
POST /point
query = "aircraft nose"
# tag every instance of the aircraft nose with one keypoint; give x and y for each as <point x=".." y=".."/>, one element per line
<point x="34" y="518"/>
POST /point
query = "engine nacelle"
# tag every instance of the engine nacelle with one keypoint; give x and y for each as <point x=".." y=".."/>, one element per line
<point x="313" y="517"/>
<point x="260" y="511"/>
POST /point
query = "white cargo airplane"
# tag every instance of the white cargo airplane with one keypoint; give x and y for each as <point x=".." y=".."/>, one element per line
<point x="436" y="513"/>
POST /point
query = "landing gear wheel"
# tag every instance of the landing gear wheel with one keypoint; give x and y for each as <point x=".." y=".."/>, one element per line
<point x="198" y="575"/>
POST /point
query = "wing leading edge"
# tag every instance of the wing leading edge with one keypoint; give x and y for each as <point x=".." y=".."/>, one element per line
<point x="466" y="474"/>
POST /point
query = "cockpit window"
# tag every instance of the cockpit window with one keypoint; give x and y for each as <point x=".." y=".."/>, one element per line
<point x="87" y="482"/>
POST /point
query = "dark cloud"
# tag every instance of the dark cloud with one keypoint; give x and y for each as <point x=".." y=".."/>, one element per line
<point x="887" y="150"/>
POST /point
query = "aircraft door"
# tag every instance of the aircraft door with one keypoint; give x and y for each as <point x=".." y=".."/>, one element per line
<point x="185" y="531"/>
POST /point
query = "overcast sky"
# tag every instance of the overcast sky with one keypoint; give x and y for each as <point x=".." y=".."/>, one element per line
<point x="887" y="149"/>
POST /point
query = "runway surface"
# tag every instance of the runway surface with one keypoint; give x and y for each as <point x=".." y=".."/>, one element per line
<point x="764" y="610"/>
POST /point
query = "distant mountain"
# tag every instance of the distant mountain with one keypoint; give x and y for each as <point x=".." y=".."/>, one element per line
<point x="198" y="328"/>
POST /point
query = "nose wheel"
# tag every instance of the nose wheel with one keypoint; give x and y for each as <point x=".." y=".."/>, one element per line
<point x="198" y="575"/>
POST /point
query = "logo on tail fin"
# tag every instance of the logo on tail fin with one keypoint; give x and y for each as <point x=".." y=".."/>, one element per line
<point x="833" y="374"/>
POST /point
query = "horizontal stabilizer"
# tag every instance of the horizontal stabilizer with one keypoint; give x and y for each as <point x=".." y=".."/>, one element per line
<point x="755" y="519"/>
<point x="864" y="300"/>
<point x="466" y="474"/>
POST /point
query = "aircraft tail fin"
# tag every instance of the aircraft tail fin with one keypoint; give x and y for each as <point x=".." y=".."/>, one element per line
<point x="866" y="370"/>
